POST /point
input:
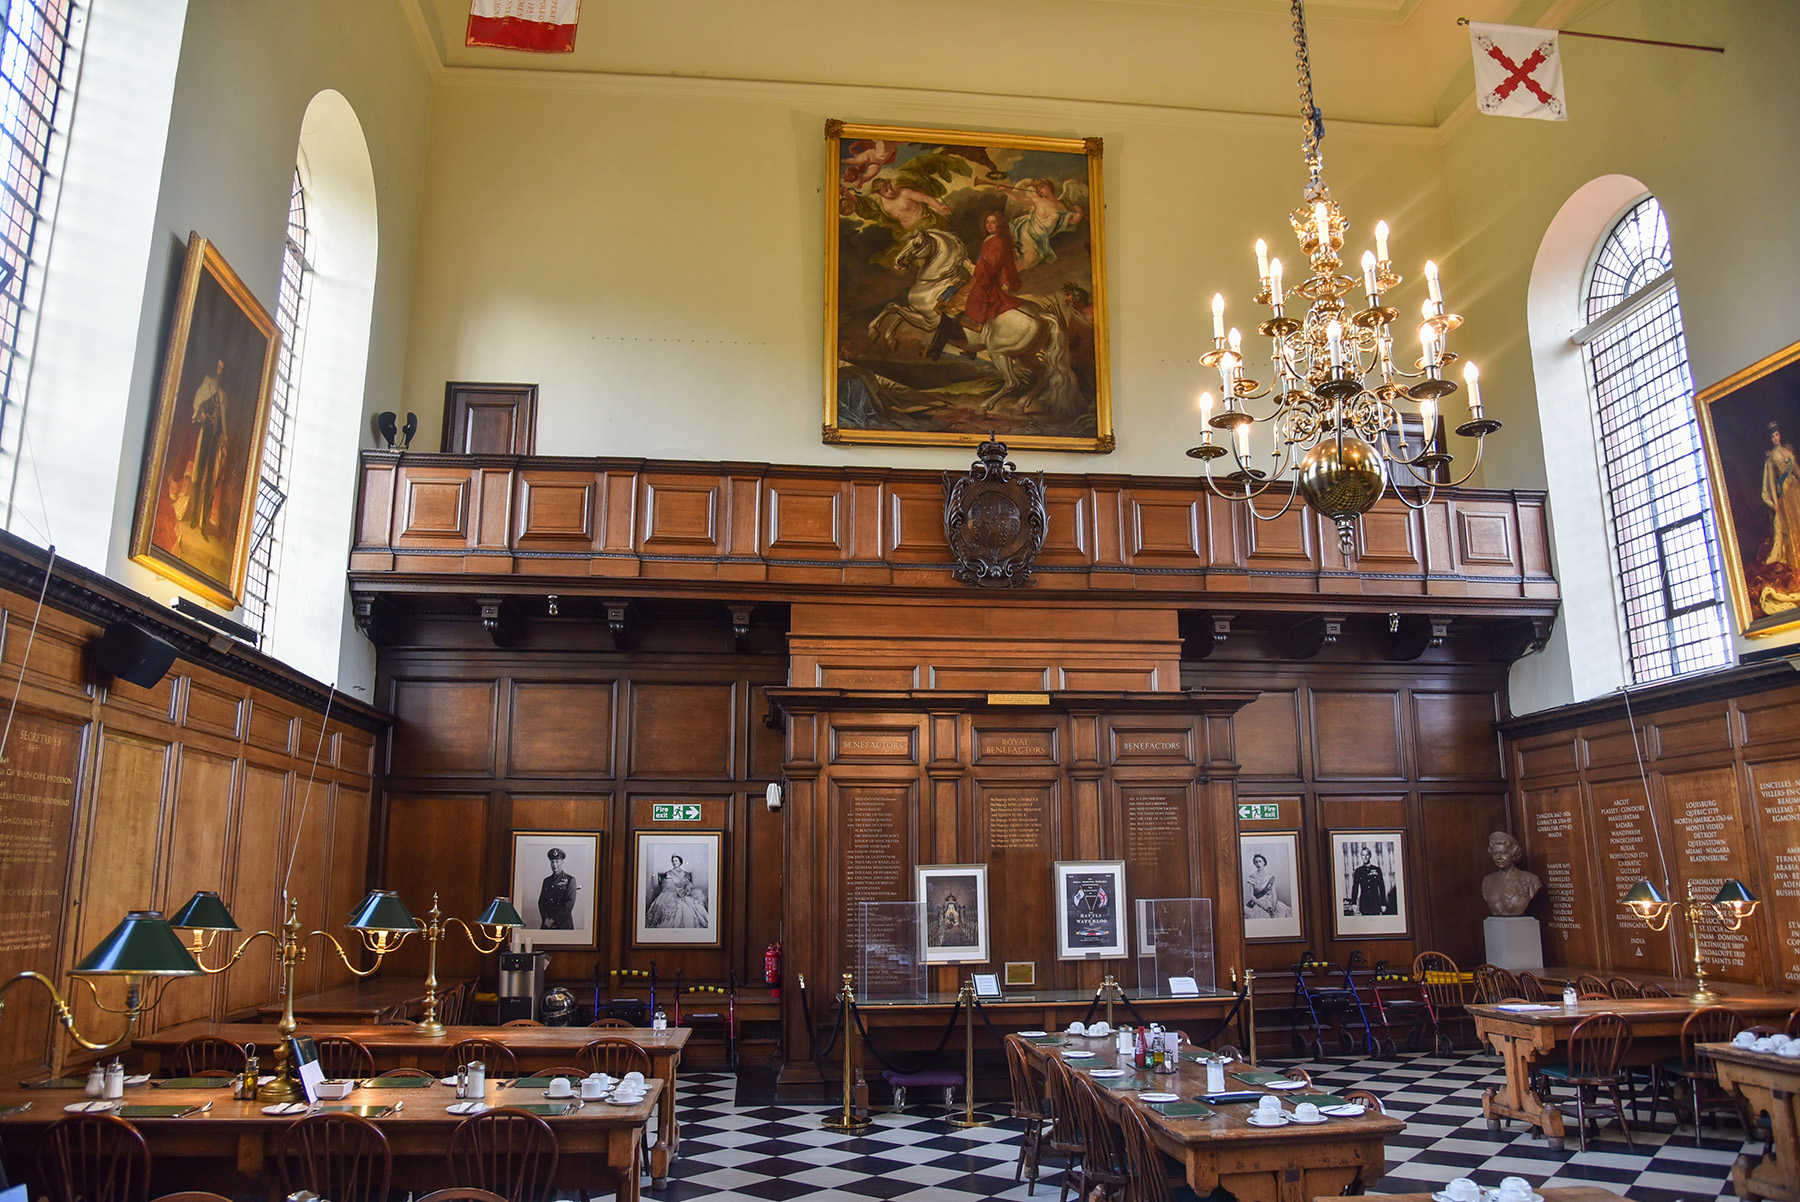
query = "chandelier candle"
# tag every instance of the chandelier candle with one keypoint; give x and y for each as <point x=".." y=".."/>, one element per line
<point x="1339" y="408"/>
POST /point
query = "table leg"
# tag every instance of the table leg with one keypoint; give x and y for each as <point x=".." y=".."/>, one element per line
<point x="1515" y="1099"/>
<point x="1775" y="1175"/>
<point x="668" y="1131"/>
<point x="622" y="1158"/>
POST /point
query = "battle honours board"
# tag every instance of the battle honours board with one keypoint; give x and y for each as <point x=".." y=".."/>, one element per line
<point x="965" y="290"/>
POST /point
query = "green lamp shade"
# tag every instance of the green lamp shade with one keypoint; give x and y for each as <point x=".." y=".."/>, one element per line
<point x="143" y="945"/>
<point x="500" y="913"/>
<point x="1733" y="892"/>
<point x="204" y="912"/>
<point x="1643" y="895"/>
<point x="383" y="910"/>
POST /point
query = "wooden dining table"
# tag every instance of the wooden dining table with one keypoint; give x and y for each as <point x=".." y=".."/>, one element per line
<point x="361" y="1001"/>
<point x="1768" y="1084"/>
<point x="392" y="1046"/>
<point x="1524" y="1033"/>
<point x="1549" y="1193"/>
<point x="231" y="1146"/>
<point x="1220" y="1147"/>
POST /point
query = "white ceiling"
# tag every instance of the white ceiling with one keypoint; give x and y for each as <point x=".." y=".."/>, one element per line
<point x="1388" y="61"/>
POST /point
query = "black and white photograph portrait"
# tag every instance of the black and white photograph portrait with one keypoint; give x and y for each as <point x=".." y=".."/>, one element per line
<point x="1090" y="909"/>
<point x="678" y="888"/>
<point x="1368" y="876"/>
<point x="554" y="878"/>
<point x="956" y="918"/>
<point x="1271" y="874"/>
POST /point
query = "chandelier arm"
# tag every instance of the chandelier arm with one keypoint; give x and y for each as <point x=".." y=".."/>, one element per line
<point x="1250" y="501"/>
<point x="1424" y="503"/>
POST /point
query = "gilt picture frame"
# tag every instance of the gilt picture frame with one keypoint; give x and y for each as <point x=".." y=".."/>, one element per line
<point x="196" y="508"/>
<point x="1750" y="426"/>
<point x="965" y="289"/>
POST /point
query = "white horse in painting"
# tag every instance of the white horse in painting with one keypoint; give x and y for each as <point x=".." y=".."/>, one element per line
<point x="935" y="258"/>
<point x="1030" y="347"/>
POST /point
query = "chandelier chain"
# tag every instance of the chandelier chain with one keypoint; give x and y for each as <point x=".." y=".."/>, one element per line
<point x="1312" y="121"/>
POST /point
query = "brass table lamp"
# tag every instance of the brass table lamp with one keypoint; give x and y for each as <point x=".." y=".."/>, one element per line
<point x="496" y="922"/>
<point x="1730" y="908"/>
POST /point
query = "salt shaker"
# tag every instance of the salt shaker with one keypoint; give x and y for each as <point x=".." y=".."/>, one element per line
<point x="1215" y="1074"/>
<point x="659" y="1021"/>
<point x="115" y="1080"/>
<point x="96" y="1082"/>
<point x="1571" y="999"/>
<point x="462" y="1080"/>
<point x="477" y="1079"/>
<point x="1124" y="1043"/>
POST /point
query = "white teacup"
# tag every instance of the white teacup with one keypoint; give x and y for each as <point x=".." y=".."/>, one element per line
<point x="1742" y="1039"/>
<point x="1099" y="1030"/>
<point x="628" y="1096"/>
<point x="1307" y="1112"/>
<point x="1515" y="1189"/>
<point x="1077" y="1029"/>
<point x="1268" y="1106"/>
<point x="1463" y="1189"/>
<point x="559" y="1088"/>
<point x="634" y="1078"/>
<point x="1765" y="1044"/>
<point x="591" y="1087"/>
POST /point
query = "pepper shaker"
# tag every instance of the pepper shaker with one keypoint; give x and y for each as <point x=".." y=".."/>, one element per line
<point x="96" y="1081"/>
<point x="477" y="1079"/>
<point x="115" y="1080"/>
<point x="462" y="1080"/>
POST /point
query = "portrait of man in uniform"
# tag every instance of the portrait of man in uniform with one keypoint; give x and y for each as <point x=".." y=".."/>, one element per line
<point x="555" y="875"/>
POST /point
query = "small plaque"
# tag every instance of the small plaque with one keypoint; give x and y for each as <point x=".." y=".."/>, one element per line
<point x="1021" y="972"/>
<point x="1018" y="699"/>
<point x="675" y="812"/>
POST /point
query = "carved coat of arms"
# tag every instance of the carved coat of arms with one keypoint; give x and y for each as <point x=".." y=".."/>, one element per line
<point x="994" y="520"/>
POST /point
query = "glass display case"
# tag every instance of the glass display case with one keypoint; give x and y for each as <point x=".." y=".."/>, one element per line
<point x="891" y="943"/>
<point x="1175" y="940"/>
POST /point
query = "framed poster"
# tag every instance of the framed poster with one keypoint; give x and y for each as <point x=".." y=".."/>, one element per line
<point x="965" y="290"/>
<point x="197" y="502"/>
<point x="677" y="896"/>
<point x="1750" y="424"/>
<point x="1090" y="909"/>
<point x="1271" y="870"/>
<point x="1368" y="878"/>
<point x="956" y="912"/>
<point x="555" y="878"/>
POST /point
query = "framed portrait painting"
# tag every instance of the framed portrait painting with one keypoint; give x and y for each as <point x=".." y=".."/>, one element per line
<point x="677" y="893"/>
<point x="965" y="290"/>
<point x="555" y="879"/>
<point x="956" y="912"/>
<point x="1090" y="909"/>
<point x="1270" y="864"/>
<point x="1369" y="880"/>
<point x="1751" y="426"/>
<point x="197" y="504"/>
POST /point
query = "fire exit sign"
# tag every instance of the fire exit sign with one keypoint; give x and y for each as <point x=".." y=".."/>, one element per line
<point x="679" y="813"/>
<point x="1260" y="811"/>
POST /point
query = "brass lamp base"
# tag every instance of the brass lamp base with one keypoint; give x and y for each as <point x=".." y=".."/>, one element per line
<point x="282" y="1089"/>
<point x="839" y="1121"/>
<point x="974" y="1118"/>
<point x="1703" y="997"/>
<point x="431" y="1030"/>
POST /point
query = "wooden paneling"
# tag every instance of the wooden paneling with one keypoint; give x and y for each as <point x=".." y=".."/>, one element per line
<point x="203" y="780"/>
<point x="256" y="884"/>
<point x="681" y="515"/>
<point x="435" y="857"/>
<point x="1455" y="734"/>
<point x="442" y="727"/>
<point x="806" y="520"/>
<point x="490" y="419"/>
<point x="1267" y="734"/>
<point x="1356" y="735"/>
<point x="556" y="512"/>
<point x="1555" y="833"/>
<point x="682" y="730"/>
<point x="561" y="728"/>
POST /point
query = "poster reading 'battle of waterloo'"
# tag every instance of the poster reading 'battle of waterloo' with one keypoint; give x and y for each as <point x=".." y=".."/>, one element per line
<point x="965" y="290"/>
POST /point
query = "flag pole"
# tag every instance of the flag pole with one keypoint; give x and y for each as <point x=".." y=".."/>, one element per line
<point x="1613" y="37"/>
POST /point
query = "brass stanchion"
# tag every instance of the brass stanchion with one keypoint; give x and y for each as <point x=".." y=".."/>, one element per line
<point x="847" y="1120"/>
<point x="1109" y="987"/>
<point x="1250" y="1009"/>
<point x="970" y="1117"/>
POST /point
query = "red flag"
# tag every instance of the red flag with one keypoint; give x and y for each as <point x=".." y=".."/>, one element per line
<point x="544" y="26"/>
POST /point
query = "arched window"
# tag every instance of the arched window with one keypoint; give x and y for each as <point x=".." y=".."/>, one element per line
<point x="271" y="496"/>
<point x="1653" y="471"/>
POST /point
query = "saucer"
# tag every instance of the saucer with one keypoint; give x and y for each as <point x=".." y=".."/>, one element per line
<point x="446" y="1080"/>
<point x="1153" y="1096"/>
<point x="1256" y="1120"/>
<point x="1107" y="1073"/>
<point x="286" y="1108"/>
<point x="630" y="1100"/>
<point x="466" y="1108"/>
<point x="98" y="1106"/>
<point x="569" y="1096"/>
<point x="1294" y="1118"/>
<point x="1033" y="1034"/>
<point x="1442" y="1196"/>
<point x="1348" y="1110"/>
<point x="138" y="1079"/>
<point x="1074" y="1055"/>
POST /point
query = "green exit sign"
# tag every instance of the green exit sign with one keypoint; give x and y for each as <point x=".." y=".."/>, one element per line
<point x="688" y="812"/>
<point x="1260" y="811"/>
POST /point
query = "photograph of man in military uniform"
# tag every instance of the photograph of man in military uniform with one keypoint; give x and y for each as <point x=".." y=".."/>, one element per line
<point x="556" y="899"/>
<point x="554" y="879"/>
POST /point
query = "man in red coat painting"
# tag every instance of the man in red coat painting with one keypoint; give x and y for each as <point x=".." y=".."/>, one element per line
<point x="996" y="273"/>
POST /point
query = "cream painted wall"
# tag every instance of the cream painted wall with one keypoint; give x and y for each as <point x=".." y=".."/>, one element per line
<point x="1712" y="136"/>
<point x="650" y="253"/>
<point x="248" y="70"/>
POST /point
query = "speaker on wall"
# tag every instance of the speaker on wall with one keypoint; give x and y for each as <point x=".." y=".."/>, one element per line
<point x="129" y="652"/>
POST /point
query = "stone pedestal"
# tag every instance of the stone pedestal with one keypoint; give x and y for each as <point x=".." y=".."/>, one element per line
<point x="1514" y="944"/>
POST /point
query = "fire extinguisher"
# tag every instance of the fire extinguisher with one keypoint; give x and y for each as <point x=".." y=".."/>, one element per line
<point x="772" y="968"/>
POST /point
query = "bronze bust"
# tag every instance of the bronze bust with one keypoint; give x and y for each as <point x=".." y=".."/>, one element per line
<point x="1508" y="891"/>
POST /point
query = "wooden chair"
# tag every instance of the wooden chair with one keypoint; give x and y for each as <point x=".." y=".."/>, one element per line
<point x="208" y="1056"/>
<point x="342" y="1057"/>
<point x="192" y="1195"/>
<point x="1587" y="983"/>
<point x="1231" y="1052"/>
<point x="93" y="1158"/>
<point x="1066" y="1140"/>
<point x="1441" y="981"/>
<point x="1147" y="1176"/>
<point x="562" y="1070"/>
<point x="614" y="1057"/>
<point x="497" y="1056"/>
<point x="1505" y="984"/>
<point x="1597" y="1049"/>
<point x="522" y="1022"/>
<point x="1298" y="1074"/>
<point x="1103" y="1169"/>
<point x="1709" y="1024"/>
<point x="509" y="1151"/>
<point x="1619" y="987"/>
<point x="343" y="1157"/>
<point x="1530" y="988"/>
<point x="1367" y="1097"/>
<point x="1485" y="990"/>
<point x="1793" y="1024"/>
<point x="461" y="1193"/>
<point x="405" y="1072"/>
<point x="450" y="1008"/>
<point x="1028" y="1108"/>
<point x="610" y="1024"/>
<point x="1654" y="989"/>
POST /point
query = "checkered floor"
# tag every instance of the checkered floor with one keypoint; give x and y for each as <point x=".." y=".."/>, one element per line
<point x="773" y="1153"/>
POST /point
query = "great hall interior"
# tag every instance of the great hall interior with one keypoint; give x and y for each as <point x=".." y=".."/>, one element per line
<point x="790" y="600"/>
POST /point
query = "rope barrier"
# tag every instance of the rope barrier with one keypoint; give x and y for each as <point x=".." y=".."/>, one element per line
<point x="837" y="1026"/>
<point x="885" y="1063"/>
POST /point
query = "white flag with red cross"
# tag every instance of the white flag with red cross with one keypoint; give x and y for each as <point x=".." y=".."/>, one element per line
<point x="1518" y="72"/>
<point x="545" y="26"/>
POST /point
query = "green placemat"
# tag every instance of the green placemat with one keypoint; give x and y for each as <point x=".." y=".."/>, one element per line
<point x="1041" y="1040"/>
<point x="546" y="1109"/>
<point x="1257" y="1076"/>
<point x="155" y="1112"/>
<point x="367" y="1112"/>
<point x="196" y="1083"/>
<point x="399" y="1083"/>
<point x="539" y="1082"/>
<point x="1129" y="1081"/>
<point x="1321" y="1100"/>
<point x="1180" y="1110"/>
<point x="56" y="1083"/>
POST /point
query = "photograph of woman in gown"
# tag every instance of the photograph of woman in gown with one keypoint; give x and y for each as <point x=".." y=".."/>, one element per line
<point x="1271" y="885"/>
<point x="678" y="901"/>
<point x="677" y="888"/>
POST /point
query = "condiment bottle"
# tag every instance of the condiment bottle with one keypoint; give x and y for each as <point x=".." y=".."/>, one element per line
<point x="115" y="1079"/>
<point x="1571" y="999"/>
<point x="1215" y="1074"/>
<point x="1140" y="1054"/>
<point x="477" y="1079"/>
<point x="462" y="1080"/>
<point x="252" y="1075"/>
<point x="96" y="1081"/>
<point x="659" y="1021"/>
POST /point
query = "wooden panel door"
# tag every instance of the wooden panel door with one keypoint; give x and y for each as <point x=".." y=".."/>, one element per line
<point x="490" y="419"/>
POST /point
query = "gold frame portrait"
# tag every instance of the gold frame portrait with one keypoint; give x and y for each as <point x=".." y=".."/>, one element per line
<point x="1055" y="394"/>
<point x="1735" y="415"/>
<point x="216" y="321"/>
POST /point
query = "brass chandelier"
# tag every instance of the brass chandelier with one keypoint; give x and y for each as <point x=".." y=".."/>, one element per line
<point x="1346" y="419"/>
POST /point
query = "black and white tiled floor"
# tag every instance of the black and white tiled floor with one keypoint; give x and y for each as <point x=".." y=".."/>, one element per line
<point x="777" y="1152"/>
